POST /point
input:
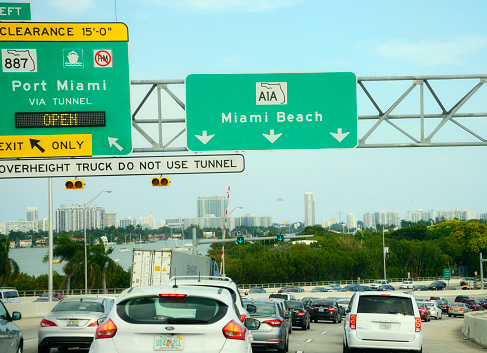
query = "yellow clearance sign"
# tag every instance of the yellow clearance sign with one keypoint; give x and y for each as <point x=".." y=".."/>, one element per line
<point x="45" y="146"/>
<point x="63" y="32"/>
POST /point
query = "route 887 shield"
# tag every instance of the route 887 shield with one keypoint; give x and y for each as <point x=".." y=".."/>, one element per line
<point x="19" y="60"/>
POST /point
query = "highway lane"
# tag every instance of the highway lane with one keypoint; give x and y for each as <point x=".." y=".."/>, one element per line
<point x="440" y="336"/>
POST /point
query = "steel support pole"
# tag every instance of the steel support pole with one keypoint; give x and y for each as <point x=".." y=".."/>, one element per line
<point x="51" y="243"/>
<point x="384" y="252"/>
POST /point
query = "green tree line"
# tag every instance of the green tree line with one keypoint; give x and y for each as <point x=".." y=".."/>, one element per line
<point x="421" y="250"/>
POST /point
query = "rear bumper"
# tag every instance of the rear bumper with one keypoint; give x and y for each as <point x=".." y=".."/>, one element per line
<point x="83" y="342"/>
<point x="415" y="345"/>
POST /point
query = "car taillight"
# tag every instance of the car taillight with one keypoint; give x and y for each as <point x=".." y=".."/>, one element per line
<point x="353" y="321"/>
<point x="234" y="331"/>
<point x="301" y="313"/>
<point x="331" y="309"/>
<point x="274" y="323"/>
<point x="417" y="324"/>
<point x="461" y="309"/>
<point x="449" y="308"/>
<point x="94" y="323"/>
<point x="173" y="295"/>
<point x="106" y="330"/>
<point x="46" y="323"/>
<point x="242" y="318"/>
<point x="474" y="307"/>
<point x="312" y="308"/>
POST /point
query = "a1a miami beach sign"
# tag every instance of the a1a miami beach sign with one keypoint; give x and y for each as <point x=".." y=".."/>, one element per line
<point x="271" y="111"/>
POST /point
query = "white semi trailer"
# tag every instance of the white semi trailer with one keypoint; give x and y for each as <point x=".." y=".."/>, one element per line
<point x="155" y="267"/>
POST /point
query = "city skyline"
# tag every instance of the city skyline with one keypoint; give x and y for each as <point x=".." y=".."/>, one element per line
<point x="216" y="36"/>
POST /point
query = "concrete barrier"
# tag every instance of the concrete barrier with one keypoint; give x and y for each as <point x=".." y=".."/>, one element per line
<point x="475" y="327"/>
<point x="30" y="310"/>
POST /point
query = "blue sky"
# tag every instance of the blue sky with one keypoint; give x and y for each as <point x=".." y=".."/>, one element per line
<point x="170" y="39"/>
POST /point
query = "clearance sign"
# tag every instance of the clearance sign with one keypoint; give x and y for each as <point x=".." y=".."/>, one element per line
<point x="65" y="90"/>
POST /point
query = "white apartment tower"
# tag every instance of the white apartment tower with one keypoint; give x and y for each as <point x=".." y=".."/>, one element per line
<point x="309" y="209"/>
<point x="211" y="205"/>
<point x="351" y="221"/>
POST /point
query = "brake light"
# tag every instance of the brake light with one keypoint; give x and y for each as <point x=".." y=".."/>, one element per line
<point x="274" y="323"/>
<point x="331" y="309"/>
<point x="46" y="323"/>
<point x="312" y="308"/>
<point x="385" y="295"/>
<point x="173" y="295"/>
<point x="461" y="309"/>
<point x="234" y="331"/>
<point x="106" y="330"/>
<point x="474" y="307"/>
<point x="94" y="323"/>
<point x="242" y="318"/>
<point x="449" y="308"/>
<point x="417" y="324"/>
<point x="301" y="313"/>
<point x="353" y="321"/>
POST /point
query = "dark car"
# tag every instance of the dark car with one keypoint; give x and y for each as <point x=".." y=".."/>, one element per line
<point x="326" y="309"/>
<point x="257" y="290"/>
<point x="420" y="288"/>
<point x="284" y="289"/>
<point x="366" y="288"/>
<point x="300" y="314"/>
<point x="319" y="289"/>
<point x="385" y="287"/>
<point x="444" y="304"/>
<point x="483" y="301"/>
<point x="353" y="288"/>
<point x="466" y="280"/>
<point x="437" y="285"/>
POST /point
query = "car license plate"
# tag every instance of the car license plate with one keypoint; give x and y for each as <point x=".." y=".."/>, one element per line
<point x="321" y="310"/>
<point x="168" y="343"/>
<point x="72" y="323"/>
<point x="385" y="326"/>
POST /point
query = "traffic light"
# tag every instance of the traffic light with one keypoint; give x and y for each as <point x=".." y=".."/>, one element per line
<point x="160" y="182"/>
<point x="75" y="184"/>
<point x="240" y="240"/>
<point x="280" y="237"/>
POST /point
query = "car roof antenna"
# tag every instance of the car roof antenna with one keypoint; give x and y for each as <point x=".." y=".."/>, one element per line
<point x="175" y="280"/>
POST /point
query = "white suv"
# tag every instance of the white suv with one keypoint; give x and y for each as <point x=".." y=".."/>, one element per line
<point x="382" y="320"/>
<point x="377" y="283"/>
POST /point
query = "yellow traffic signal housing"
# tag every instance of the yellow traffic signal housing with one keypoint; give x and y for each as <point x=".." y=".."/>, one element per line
<point x="160" y="182"/>
<point x="75" y="184"/>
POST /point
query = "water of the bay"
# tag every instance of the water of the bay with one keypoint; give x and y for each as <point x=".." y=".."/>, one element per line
<point x="30" y="260"/>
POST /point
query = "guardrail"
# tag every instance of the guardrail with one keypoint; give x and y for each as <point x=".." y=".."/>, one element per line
<point x="340" y="282"/>
<point x="37" y="293"/>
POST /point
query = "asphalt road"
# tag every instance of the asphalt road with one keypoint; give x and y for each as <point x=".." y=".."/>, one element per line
<point x="440" y="336"/>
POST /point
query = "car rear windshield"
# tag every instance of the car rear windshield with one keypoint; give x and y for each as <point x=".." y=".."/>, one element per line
<point x="379" y="304"/>
<point x="171" y="310"/>
<point x="323" y="302"/>
<point x="264" y="309"/>
<point x="278" y="296"/>
<point x="294" y="304"/>
<point x="78" y="306"/>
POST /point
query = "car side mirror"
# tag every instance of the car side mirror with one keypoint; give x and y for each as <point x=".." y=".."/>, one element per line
<point x="252" y="324"/>
<point x="251" y="308"/>
<point x="16" y="316"/>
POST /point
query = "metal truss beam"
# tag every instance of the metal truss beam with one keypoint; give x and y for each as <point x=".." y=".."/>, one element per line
<point x="439" y="119"/>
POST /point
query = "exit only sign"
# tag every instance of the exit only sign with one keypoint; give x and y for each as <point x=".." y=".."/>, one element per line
<point x="271" y="111"/>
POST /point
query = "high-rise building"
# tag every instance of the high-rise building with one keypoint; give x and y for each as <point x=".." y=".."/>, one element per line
<point x="351" y="222"/>
<point x="148" y="222"/>
<point x="457" y="214"/>
<point x="126" y="221"/>
<point x="420" y="215"/>
<point x="70" y="218"/>
<point x="369" y="221"/>
<point x="309" y="209"/>
<point x="32" y="214"/>
<point x="111" y="218"/>
<point x="387" y="218"/>
<point x="211" y="205"/>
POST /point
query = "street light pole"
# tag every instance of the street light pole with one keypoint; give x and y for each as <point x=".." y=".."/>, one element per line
<point x="384" y="251"/>
<point x="223" y="244"/>
<point x="84" y="226"/>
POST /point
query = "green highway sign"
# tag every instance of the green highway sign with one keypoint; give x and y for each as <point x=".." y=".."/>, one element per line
<point x="15" y="11"/>
<point x="446" y="274"/>
<point x="68" y="90"/>
<point x="230" y="112"/>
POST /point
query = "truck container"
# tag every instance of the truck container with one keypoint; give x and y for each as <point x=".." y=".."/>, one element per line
<point x="155" y="267"/>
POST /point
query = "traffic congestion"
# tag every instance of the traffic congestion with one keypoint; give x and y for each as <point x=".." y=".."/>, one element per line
<point x="212" y="314"/>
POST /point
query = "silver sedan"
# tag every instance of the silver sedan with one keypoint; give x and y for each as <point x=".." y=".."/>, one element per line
<point x="72" y="323"/>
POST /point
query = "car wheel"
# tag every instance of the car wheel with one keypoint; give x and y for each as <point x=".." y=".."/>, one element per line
<point x="20" y="349"/>
<point x="335" y="320"/>
<point x="339" y="319"/>
<point x="43" y="349"/>
<point x="449" y="315"/>
<point x="309" y="325"/>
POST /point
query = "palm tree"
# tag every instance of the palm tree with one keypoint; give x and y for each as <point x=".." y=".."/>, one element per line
<point x="9" y="270"/>
<point x="72" y="252"/>
<point x="99" y="257"/>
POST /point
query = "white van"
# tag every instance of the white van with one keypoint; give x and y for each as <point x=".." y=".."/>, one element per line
<point x="382" y="320"/>
<point x="9" y="296"/>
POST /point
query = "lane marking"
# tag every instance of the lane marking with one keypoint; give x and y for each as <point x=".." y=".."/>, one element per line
<point x="324" y="332"/>
<point x="309" y="340"/>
